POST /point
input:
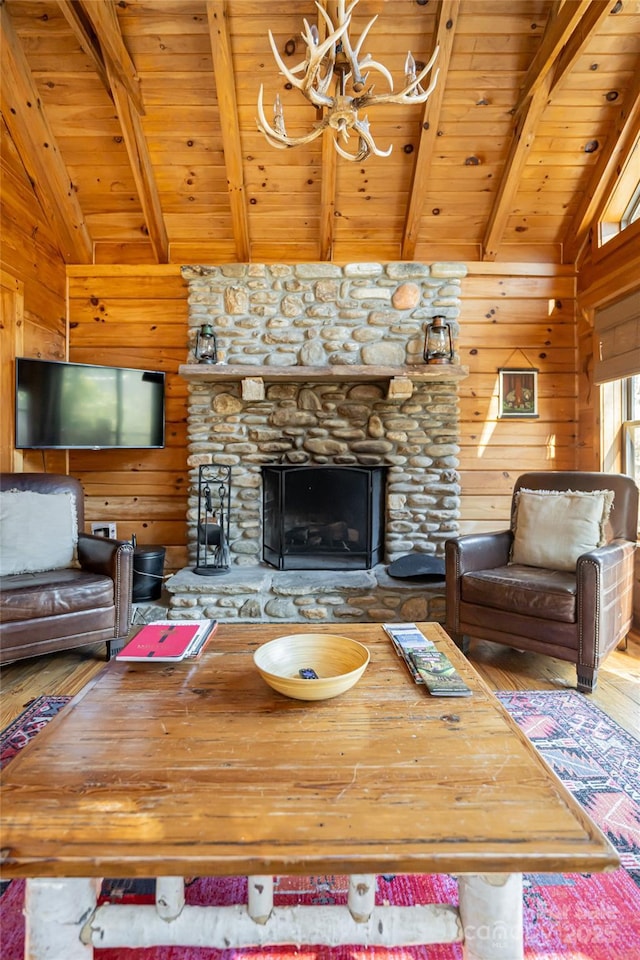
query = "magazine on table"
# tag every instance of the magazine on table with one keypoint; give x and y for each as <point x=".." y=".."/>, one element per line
<point x="406" y="638"/>
<point x="425" y="662"/>
<point x="169" y="640"/>
<point x="439" y="675"/>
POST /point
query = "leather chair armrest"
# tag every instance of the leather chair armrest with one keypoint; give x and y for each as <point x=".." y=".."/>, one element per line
<point x="610" y="554"/>
<point x="605" y="598"/>
<point x="105" y="556"/>
<point x="477" y="551"/>
<point x="112" y="558"/>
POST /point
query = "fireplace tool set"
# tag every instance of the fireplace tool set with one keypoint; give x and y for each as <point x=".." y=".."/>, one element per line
<point x="214" y="497"/>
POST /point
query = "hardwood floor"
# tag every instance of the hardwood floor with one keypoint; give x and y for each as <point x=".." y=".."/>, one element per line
<point x="617" y="693"/>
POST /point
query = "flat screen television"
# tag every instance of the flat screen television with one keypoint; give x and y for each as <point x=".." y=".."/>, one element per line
<point x="78" y="406"/>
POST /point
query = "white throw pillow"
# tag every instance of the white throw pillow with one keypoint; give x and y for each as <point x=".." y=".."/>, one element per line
<point x="38" y="531"/>
<point x="552" y="528"/>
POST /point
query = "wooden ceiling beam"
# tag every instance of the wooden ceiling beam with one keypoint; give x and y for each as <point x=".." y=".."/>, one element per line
<point x="444" y="32"/>
<point x="30" y="131"/>
<point x="556" y="36"/>
<point x="74" y="15"/>
<point x="329" y="167"/>
<point x="586" y="28"/>
<point x="621" y="140"/>
<point x="217" y="16"/>
<point x="328" y="195"/>
<point x="142" y="169"/>
<point x="104" y="20"/>
<point x="123" y="87"/>
<point x="521" y="142"/>
<point x="530" y="113"/>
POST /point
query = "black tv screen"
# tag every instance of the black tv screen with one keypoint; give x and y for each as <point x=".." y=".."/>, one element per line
<point x="75" y="406"/>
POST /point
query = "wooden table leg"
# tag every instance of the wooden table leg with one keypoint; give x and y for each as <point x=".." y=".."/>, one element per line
<point x="491" y="914"/>
<point x="56" y="911"/>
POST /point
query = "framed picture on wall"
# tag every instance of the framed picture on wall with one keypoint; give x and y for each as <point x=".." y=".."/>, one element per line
<point x="518" y="392"/>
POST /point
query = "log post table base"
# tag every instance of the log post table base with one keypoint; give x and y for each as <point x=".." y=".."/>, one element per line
<point x="199" y="769"/>
<point x="65" y="923"/>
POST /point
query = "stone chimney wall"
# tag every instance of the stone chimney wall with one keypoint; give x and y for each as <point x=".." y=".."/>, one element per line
<point x="320" y="315"/>
<point x="349" y="329"/>
<point x="312" y="314"/>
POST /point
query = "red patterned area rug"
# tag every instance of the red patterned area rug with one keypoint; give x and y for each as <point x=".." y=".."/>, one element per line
<point x="33" y="718"/>
<point x="568" y="917"/>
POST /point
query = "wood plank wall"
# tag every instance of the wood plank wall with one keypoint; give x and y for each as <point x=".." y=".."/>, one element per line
<point x="512" y="316"/>
<point x="33" y="286"/>
<point x="135" y="317"/>
<point x="523" y="316"/>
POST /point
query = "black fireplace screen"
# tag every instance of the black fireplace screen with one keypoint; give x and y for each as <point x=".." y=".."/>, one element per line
<point x="323" y="517"/>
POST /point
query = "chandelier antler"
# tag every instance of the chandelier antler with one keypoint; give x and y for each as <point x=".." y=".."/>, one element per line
<point x="336" y="61"/>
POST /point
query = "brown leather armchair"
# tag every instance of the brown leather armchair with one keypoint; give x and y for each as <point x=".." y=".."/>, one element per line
<point x="577" y="616"/>
<point x="59" y="609"/>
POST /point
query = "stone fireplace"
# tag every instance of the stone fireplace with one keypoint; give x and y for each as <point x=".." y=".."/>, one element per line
<point x="323" y="517"/>
<point x="322" y="369"/>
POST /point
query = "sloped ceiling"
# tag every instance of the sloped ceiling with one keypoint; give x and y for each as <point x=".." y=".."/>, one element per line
<point x="136" y="123"/>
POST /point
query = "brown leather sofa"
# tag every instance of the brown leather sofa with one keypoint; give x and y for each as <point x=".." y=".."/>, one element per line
<point x="579" y="616"/>
<point x="59" y="609"/>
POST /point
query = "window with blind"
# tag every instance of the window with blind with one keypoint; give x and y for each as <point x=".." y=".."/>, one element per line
<point x="617" y="332"/>
<point x="631" y="428"/>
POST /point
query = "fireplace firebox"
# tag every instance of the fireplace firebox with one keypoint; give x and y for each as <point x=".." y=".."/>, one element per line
<point x="323" y="517"/>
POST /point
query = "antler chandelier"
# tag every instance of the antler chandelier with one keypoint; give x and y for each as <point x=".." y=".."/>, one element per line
<point x="333" y="77"/>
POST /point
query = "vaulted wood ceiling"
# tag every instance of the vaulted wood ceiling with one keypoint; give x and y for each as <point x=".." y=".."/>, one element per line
<point x="136" y="123"/>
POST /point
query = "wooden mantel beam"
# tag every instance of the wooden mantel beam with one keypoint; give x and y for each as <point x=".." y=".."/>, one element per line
<point x="29" y="128"/>
<point x="445" y="28"/>
<point x="217" y="16"/>
<point x="332" y="373"/>
<point x="124" y="88"/>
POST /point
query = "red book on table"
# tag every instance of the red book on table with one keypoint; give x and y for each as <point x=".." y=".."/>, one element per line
<point x="165" y="640"/>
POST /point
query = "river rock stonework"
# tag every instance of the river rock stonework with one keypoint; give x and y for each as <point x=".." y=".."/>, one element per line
<point x="311" y="314"/>
<point x="323" y="315"/>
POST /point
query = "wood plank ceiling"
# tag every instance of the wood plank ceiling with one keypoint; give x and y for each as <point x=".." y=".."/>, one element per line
<point x="136" y="122"/>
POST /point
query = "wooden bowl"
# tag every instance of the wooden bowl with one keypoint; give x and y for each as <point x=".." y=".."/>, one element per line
<point x="338" y="661"/>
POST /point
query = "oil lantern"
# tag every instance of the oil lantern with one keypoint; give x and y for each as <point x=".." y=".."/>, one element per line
<point x="206" y="350"/>
<point x="438" y="347"/>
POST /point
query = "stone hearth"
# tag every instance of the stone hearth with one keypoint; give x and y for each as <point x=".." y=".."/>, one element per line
<point x="263" y="594"/>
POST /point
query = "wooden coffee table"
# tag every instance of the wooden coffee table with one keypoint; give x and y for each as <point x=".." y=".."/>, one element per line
<point x="200" y="769"/>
